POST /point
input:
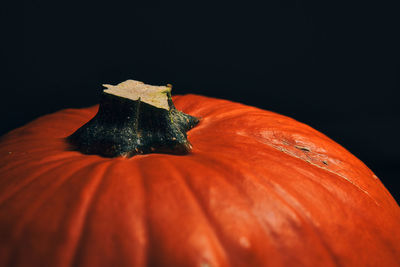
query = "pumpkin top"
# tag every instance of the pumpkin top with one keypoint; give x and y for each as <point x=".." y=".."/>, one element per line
<point x="135" y="118"/>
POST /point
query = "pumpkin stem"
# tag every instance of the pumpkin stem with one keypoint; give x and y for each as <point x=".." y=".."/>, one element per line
<point x="135" y="118"/>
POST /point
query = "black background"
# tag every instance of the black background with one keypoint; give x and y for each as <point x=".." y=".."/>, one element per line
<point x="331" y="65"/>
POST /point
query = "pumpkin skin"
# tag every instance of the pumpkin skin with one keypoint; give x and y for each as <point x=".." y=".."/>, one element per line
<point x="258" y="189"/>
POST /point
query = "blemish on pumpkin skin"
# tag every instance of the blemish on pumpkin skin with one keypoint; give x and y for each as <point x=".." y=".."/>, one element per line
<point x="285" y="142"/>
<point x="316" y="158"/>
<point x="311" y="160"/>
<point x="303" y="148"/>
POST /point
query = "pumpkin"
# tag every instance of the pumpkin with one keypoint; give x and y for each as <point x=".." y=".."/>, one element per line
<point x="254" y="188"/>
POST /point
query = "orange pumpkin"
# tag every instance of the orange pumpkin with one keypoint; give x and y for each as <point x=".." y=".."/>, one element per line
<point x="257" y="189"/>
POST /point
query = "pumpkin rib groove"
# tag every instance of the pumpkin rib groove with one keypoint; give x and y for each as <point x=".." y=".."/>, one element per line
<point x="308" y="221"/>
<point x="146" y="220"/>
<point x="19" y="228"/>
<point x="209" y="217"/>
<point x="206" y="217"/>
<point x="213" y="252"/>
<point x="241" y="192"/>
<point x="195" y="107"/>
<point x="8" y="194"/>
<point x="146" y="208"/>
<point x="305" y="219"/>
<point x="225" y="116"/>
<point x="222" y="166"/>
<point x="73" y="258"/>
<point x="106" y="231"/>
<point x="70" y="219"/>
<point x="36" y="159"/>
<point x="228" y="237"/>
<point x="50" y="191"/>
<point x="304" y="215"/>
<point x="237" y="116"/>
<point x="295" y="203"/>
<point x="45" y="151"/>
<point x="222" y="155"/>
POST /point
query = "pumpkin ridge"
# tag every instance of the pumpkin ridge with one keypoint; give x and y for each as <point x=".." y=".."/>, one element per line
<point x="32" y="159"/>
<point x="359" y="215"/>
<point x="305" y="218"/>
<point x="219" y="155"/>
<point x="212" y="253"/>
<point x="146" y="218"/>
<point x="308" y="221"/>
<point x="21" y="226"/>
<point x="103" y="228"/>
<point x="224" y="236"/>
<point x="205" y="215"/>
<point x="73" y="258"/>
<point x="49" y="193"/>
<point x="8" y="194"/>
<point x="135" y="165"/>
<point x="295" y="205"/>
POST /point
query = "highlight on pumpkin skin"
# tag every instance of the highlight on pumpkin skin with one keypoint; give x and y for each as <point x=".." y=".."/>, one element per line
<point x="135" y="118"/>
